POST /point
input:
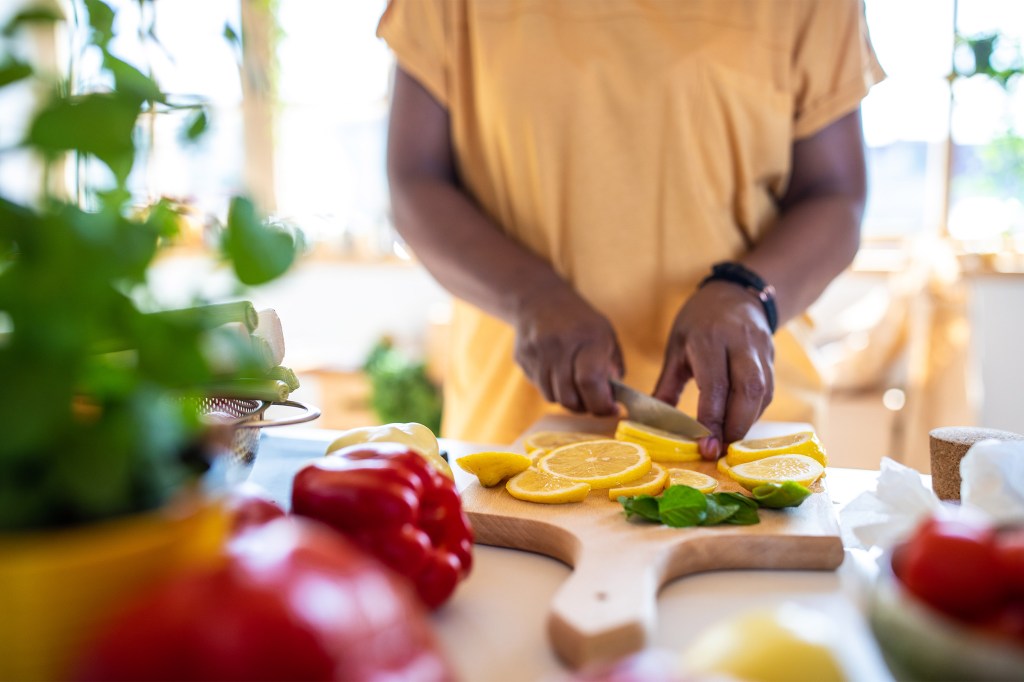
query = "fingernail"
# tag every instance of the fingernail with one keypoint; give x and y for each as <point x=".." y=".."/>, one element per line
<point x="709" y="448"/>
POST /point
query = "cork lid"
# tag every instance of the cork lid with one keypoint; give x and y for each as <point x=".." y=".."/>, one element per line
<point x="968" y="435"/>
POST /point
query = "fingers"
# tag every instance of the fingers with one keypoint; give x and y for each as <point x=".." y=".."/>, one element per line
<point x="574" y="375"/>
<point x="593" y="367"/>
<point x="675" y="373"/>
<point x="563" y="385"/>
<point x="710" y="365"/>
<point x="747" y="391"/>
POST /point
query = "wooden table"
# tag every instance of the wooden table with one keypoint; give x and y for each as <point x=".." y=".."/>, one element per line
<point x="494" y="628"/>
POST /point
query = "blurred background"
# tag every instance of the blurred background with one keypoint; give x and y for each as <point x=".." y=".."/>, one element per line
<point x="923" y="331"/>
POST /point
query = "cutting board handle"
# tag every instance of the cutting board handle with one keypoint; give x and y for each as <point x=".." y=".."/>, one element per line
<point x="607" y="607"/>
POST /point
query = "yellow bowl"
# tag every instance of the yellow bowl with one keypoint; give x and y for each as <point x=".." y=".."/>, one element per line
<point x="922" y="643"/>
<point x="54" y="585"/>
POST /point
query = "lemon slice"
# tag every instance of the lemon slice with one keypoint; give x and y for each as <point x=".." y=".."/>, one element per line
<point x="777" y="469"/>
<point x="533" y="485"/>
<point x="651" y="483"/>
<point x="802" y="443"/>
<point x="601" y="463"/>
<point x="491" y="468"/>
<point x="662" y="446"/>
<point x="542" y="442"/>
<point x="694" y="479"/>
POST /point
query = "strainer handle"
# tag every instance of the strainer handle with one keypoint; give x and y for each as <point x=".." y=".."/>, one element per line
<point x="311" y="413"/>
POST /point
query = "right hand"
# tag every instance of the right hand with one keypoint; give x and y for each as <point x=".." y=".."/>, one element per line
<point x="569" y="351"/>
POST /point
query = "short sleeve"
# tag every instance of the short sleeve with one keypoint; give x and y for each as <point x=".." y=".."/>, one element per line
<point x="415" y="32"/>
<point x="834" y="63"/>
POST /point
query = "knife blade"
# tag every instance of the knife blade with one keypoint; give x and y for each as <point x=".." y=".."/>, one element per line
<point x="653" y="412"/>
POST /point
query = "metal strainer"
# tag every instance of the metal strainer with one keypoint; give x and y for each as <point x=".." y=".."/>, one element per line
<point x="246" y="416"/>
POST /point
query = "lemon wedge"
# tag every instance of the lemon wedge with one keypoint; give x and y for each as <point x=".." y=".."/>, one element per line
<point x="533" y="485"/>
<point x="662" y="446"/>
<point x="773" y="644"/>
<point x="694" y="479"/>
<point x="776" y="469"/>
<point x="802" y="443"/>
<point x="600" y="463"/>
<point x="651" y="483"/>
<point x="491" y="468"/>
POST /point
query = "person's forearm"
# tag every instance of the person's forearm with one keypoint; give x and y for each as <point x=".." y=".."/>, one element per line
<point x="818" y="230"/>
<point x="465" y="251"/>
<point x="813" y="242"/>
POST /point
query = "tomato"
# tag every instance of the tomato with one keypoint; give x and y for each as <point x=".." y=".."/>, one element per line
<point x="1007" y="622"/>
<point x="1010" y="550"/>
<point x="953" y="565"/>
<point x="248" y="505"/>
<point x="293" y="601"/>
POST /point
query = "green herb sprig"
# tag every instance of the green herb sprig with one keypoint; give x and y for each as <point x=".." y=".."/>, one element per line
<point x="682" y="506"/>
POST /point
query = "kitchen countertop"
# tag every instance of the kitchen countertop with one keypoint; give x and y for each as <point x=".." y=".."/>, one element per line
<point x="495" y="628"/>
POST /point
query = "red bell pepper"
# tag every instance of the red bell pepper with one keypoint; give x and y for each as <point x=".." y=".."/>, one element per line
<point x="388" y="500"/>
<point x="292" y="601"/>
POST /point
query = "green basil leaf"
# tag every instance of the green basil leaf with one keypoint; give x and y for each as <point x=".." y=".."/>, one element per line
<point x="682" y="506"/>
<point x="718" y="512"/>
<point x="744" y="516"/>
<point x="781" y="495"/>
<point x="737" y="498"/>
<point x="643" y="506"/>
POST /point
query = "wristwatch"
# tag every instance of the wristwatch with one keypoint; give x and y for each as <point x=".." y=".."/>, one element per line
<point x="729" y="271"/>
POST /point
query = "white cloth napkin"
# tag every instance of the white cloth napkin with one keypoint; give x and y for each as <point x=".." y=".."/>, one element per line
<point x="992" y="485"/>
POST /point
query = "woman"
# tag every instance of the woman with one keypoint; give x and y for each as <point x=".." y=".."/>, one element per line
<point x="571" y="171"/>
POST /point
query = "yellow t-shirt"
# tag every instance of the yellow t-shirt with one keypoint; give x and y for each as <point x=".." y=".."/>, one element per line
<point x="631" y="143"/>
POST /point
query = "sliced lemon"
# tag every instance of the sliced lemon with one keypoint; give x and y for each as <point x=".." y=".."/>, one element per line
<point x="601" y="463"/>
<point x="651" y="483"/>
<point x="534" y="485"/>
<point x="491" y="468"/>
<point x="802" y="443"/>
<point x="662" y="446"/>
<point x="777" y="469"/>
<point x="694" y="479"/>
<point x="543" y="442"/>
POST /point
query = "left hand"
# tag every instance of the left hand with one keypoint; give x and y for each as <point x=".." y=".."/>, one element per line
<point x="721" y="339"/>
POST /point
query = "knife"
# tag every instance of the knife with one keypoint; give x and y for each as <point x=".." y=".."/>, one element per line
<point x="653" y="412"/>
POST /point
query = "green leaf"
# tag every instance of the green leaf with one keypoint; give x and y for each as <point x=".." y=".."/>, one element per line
<point x="642" y="506"/>
<point x="259" y="253"/>
<point x="781" y="495"/>
<point x="100" y="124"/>
<point x="196" y="125"/>
<point x="31" y="15"/>
<point x="232" y="36"/>
<point x="12" y="71"/>
<point x="101" y="20"/>
<point x="718" y="512"/>
<point x="745" y="515"/>
<point x="681" y="506"/>
<point x="129" y="80"/>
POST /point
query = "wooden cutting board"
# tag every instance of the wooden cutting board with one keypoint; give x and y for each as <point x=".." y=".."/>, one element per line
<point x="606" y="608"/>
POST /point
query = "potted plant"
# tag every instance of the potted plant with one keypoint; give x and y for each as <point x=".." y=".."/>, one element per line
<point x="102" y="428"/>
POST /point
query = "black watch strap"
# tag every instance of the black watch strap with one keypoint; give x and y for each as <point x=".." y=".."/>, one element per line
<point x="736" y="273"/>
